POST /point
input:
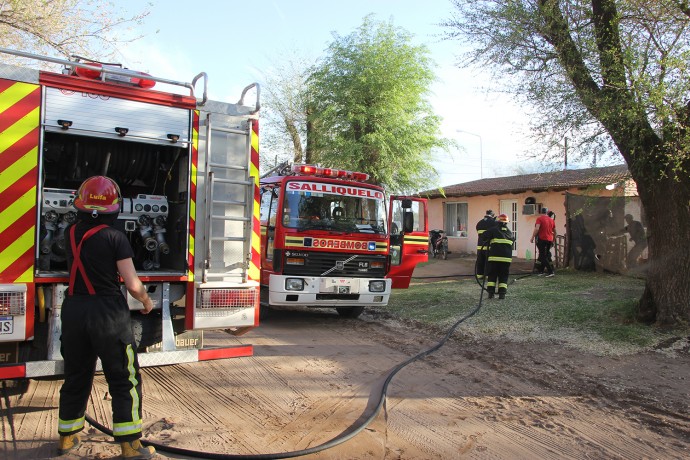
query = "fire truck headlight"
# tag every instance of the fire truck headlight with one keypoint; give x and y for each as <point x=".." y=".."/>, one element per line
<point x="294" y="284"/>
<point x="377" y="286"/>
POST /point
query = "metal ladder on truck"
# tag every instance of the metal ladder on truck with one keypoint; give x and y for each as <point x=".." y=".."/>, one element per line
<point x="229" y="193"/>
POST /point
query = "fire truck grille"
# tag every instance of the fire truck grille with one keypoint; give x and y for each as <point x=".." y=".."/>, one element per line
<point x="337" y="264"/>
<point x="12" y="303"/>
<point x="223" y="299"/>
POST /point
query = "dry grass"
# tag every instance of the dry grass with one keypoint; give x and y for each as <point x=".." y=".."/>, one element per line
<point x="592" y="312"/>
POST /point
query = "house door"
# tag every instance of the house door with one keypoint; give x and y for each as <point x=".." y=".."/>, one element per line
<point x="510" y="208"/>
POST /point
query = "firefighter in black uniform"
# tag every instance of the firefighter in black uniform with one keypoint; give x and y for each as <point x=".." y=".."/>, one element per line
<point x="499" y="240"/>
<point x="487" y="222"/>
<point x="96" y="320"/>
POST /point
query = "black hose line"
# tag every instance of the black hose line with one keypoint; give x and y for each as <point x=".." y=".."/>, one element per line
<point x="338" y="439"/>
<point x="482" y="283"/>
<point x="327" y="445"/>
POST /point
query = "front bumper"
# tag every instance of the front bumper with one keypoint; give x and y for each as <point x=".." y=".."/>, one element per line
<point x="328" y="292"/>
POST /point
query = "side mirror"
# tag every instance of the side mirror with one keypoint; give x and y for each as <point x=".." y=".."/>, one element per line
<point x="408" y="222"/>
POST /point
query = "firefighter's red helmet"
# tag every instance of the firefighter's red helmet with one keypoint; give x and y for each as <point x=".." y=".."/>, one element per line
<point x="99" y="195"/>
<point x="503" y="218"/>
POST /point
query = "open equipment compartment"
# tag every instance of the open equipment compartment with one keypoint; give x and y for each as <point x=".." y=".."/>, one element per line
<point x="153" y="175"/>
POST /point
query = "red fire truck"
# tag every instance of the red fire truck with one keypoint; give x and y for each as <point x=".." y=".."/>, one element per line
<point x="188" y="206"/>
<point x="330" y="239"/>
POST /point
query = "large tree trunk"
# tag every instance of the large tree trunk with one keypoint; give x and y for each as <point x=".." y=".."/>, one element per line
<point x="657" y="162"/>
<point x="666" y="298"/>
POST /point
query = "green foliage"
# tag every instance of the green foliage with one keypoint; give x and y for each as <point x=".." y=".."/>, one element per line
<point x="590" y="311"/>
<point x="610" y="75"/>
<point x="368" y="107"/>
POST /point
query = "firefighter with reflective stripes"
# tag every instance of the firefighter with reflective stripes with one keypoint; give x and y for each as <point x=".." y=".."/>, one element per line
<point x="487" y="222"/>
<point x="96" y="320"/>
<point x="499" y="240"/>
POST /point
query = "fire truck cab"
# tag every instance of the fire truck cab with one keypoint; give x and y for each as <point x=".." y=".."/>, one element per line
<point x="331" y="239"/>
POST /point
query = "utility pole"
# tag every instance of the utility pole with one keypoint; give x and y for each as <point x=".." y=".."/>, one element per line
<point x="565" y="153"/>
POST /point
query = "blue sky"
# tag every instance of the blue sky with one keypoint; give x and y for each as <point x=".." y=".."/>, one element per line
<point x="235" y="43"/>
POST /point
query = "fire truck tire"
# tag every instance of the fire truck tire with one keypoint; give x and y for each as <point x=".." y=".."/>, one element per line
<point x="350" y="312"/>
<point x="264" y="312"/>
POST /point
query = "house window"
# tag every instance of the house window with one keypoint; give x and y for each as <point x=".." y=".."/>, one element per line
<point x="456" y="219"/>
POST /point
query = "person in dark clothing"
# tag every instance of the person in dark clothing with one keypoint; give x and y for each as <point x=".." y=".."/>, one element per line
<point x="582" y="245"/>
<point x="96" y="321"/>
<point x="545" y="232"/>
<point x="487" y="222"/>
<point x="499" y="240"/>
<point x="637" y="235"/>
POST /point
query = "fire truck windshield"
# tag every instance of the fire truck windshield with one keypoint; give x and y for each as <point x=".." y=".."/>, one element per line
<point x="334" y="207"/>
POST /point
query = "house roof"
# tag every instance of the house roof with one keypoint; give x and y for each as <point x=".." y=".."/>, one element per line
<point x="556" y="180"/>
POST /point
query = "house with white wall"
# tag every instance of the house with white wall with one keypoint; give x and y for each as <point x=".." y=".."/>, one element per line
<point x="457" y="208"/>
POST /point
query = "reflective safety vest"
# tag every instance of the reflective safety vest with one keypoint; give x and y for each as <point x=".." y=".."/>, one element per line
<point x="483" y="225"/>
<point x="500" y="241"/>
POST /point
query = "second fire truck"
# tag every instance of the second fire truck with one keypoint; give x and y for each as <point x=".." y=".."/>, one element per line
<point x="331" y="239"/>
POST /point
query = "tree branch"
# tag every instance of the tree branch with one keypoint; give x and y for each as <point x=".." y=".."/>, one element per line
<point x="684" y="7"/>
<point x="605" y="21"/>
<point x="557" y="34"/>
<point x="613" y="104"/>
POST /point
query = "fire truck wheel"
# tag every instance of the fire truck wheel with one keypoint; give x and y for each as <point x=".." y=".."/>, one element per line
<point x="264" y="312"/>
<point x="350" y="312"/>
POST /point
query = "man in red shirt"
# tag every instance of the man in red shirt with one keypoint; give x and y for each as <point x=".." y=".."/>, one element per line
<point x="544" y="231"/>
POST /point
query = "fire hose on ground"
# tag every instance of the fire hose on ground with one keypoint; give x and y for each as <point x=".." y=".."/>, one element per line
<point x="381" y="404"/>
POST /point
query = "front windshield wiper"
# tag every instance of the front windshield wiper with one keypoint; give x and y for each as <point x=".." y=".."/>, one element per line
<point x="345" y="226"/>
<point x="327" y="224"/>
<point x="314" y="224"/>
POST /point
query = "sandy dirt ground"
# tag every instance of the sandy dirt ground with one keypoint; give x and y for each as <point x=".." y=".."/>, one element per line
<point x="315" y="377"/>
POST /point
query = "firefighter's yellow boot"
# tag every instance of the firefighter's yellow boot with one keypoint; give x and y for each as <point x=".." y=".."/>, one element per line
<point x="134" y="450"/>
<point x="67" y="443"/>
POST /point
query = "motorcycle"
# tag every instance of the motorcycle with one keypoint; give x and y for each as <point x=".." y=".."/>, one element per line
<point x="438" y="244"/>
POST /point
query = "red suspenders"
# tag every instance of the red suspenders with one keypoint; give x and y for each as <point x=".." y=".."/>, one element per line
<point x="76" y="263"/>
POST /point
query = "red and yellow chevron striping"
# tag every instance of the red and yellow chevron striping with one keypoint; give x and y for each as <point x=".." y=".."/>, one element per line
<point x="255" y="263"/>
<point x="192" y="192"/>
<point x="19" y="138"/>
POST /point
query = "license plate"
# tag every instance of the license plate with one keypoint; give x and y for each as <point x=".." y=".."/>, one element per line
<point x="6" y="324"/>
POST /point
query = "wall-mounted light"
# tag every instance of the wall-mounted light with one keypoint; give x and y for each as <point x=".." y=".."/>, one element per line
<point x="121" y="131"/>
<point x="65" y="124"/>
